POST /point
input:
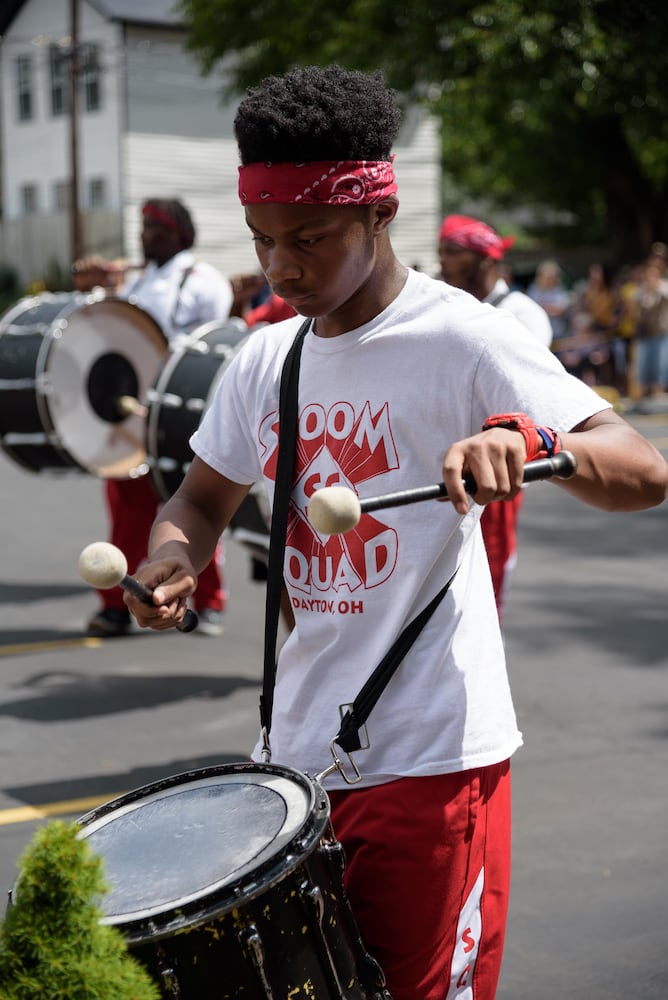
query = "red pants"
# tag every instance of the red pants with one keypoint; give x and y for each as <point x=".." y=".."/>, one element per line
<point x="428" y="878"/>
<point x="132" y="505"/>
<point x="499" y="532"/>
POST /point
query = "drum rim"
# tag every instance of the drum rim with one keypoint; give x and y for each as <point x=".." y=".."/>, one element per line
<point x="138" y="927"/>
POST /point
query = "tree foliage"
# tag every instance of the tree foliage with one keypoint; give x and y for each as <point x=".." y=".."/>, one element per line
<point x="559" y="104"/>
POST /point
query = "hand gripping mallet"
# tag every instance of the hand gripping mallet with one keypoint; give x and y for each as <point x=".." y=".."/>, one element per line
<point x="333" y="510"/>
<point x="103" y="566"/>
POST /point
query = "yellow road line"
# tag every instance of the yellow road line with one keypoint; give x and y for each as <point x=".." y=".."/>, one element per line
<point x="89" y="642"/>
<point x="28" y="814"/>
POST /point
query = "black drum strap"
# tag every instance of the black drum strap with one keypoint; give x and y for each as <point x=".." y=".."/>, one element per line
<point x="177" y="301"/>
<point x="348" y="737"/>
<point x="497" y="299"/>
<point x="285" y="463"/>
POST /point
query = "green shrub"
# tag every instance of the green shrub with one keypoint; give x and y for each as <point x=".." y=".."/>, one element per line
<point x="52" y="944"/>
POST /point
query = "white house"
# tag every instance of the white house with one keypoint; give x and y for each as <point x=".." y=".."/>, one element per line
<point x="149" y="124"/>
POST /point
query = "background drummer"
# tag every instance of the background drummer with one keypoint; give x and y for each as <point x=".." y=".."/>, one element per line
<point x="469" y="252"/>
<point x="180" y="293"/>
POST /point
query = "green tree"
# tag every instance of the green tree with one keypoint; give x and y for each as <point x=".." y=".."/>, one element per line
<point x="557" y="104"/>
<point x="52" y="943"/>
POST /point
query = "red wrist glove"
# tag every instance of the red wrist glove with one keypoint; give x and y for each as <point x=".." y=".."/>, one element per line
<point x="541" y="442"/>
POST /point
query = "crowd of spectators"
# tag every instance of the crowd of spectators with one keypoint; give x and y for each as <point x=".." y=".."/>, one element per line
<point x="611" y="328"/>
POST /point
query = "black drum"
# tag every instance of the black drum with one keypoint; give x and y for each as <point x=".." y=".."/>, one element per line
<point x="227" y="882"/>
<point x="180" y="395"/>
<point x="176" y="403"/>
<point x="68" y="361"/>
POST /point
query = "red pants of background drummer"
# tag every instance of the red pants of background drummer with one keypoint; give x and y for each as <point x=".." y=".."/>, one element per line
<point x="132" y="505"/>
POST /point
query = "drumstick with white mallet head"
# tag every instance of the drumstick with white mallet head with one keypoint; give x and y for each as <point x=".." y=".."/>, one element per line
<point x="103" y="566"/>
<point x="334" y="510"/>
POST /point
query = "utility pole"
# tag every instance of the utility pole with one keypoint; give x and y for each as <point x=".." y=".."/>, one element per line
<point x="76" y="229"/>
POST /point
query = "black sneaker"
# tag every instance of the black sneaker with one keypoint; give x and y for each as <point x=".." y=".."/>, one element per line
<point x="109" y="622"/>
<point x="210" y="622"/>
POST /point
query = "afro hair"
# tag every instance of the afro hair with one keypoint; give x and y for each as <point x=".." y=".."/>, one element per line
<point x="317" y="113"/>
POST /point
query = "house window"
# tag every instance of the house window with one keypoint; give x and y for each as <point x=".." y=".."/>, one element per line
<point x="29" y="199"/>
<point x="24" y="87"/>
<point x="97" y="192"/>
<point x="61" y="195"/>
<point x="90" y="77"/>
<point x="90" y="85"/>
<point x="59" y="70"/>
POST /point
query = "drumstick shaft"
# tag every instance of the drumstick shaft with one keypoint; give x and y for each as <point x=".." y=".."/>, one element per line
<point x="562" y="465"/>
<point x="131" y="407"/>
<point x="145" y="595"/>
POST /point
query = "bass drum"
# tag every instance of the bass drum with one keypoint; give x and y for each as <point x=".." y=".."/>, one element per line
<point x="227" y="882"/>
<point x="181" y="393"/>
<point x="176" y="403"/>
<point x="67" y="363"/>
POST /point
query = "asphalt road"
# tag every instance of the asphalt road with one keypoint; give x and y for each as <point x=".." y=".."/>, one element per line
<point x="586" y="632"/>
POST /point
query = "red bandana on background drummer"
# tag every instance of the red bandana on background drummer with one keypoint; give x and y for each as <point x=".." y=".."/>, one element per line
<point x="327" y="182"/>
<point x="472" y="234"/>
<point x="162" y="213"/>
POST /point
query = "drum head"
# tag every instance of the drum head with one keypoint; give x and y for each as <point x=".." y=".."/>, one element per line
<point x="177" y="845"/>
<point x="101" y="352"/>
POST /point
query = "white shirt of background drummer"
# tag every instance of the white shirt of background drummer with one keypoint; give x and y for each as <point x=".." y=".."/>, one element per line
<point x="378" y="408"/>
<point x="182" y="294"/>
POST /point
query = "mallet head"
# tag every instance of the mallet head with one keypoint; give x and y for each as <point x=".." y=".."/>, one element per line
<point x="333" y="510"/>
<point x="102" y="565"/>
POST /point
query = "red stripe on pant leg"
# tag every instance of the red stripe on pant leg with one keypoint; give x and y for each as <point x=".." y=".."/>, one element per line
<point x="478" y="952"/>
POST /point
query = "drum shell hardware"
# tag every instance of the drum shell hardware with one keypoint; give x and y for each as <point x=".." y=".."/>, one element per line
<point x="177" y="401"/>
<point x="180" y="395"/>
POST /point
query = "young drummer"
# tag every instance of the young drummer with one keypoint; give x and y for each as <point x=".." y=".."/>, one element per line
<point x="399" y="375"/>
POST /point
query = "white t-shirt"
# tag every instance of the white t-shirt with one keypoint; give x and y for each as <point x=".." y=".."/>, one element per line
<point x="378" y="408"/>
<point x="181" y="295"/>
<point x="528" y="312"/>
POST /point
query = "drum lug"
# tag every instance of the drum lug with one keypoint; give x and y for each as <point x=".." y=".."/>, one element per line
<point x="313" y="897"/>
<point x="249" y="938"/>
<point x="369" y="972"/>
<point x="168" y="977"/>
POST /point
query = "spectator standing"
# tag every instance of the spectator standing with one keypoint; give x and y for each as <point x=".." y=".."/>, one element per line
<point x="651" y="332"/>
<point x="595" y="317"/>
<point x="548" y="291"/>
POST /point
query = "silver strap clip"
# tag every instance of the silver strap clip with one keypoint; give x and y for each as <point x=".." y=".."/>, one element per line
<point x="340" y="765"/>
<point x="265" y="753"/>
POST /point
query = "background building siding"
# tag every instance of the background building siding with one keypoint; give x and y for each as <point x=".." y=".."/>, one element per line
<point x="163" y="130"/>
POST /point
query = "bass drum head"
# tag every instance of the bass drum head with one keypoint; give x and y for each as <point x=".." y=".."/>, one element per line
<point x="181" y="394"/>
<point x="108" y="349"/>
<point x="196" y="845"/>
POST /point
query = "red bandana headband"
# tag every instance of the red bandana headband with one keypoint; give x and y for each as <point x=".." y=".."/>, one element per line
<point x="471" y="234"/>
<point x="329" y="182"/>
<point x="160" y="215"/>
